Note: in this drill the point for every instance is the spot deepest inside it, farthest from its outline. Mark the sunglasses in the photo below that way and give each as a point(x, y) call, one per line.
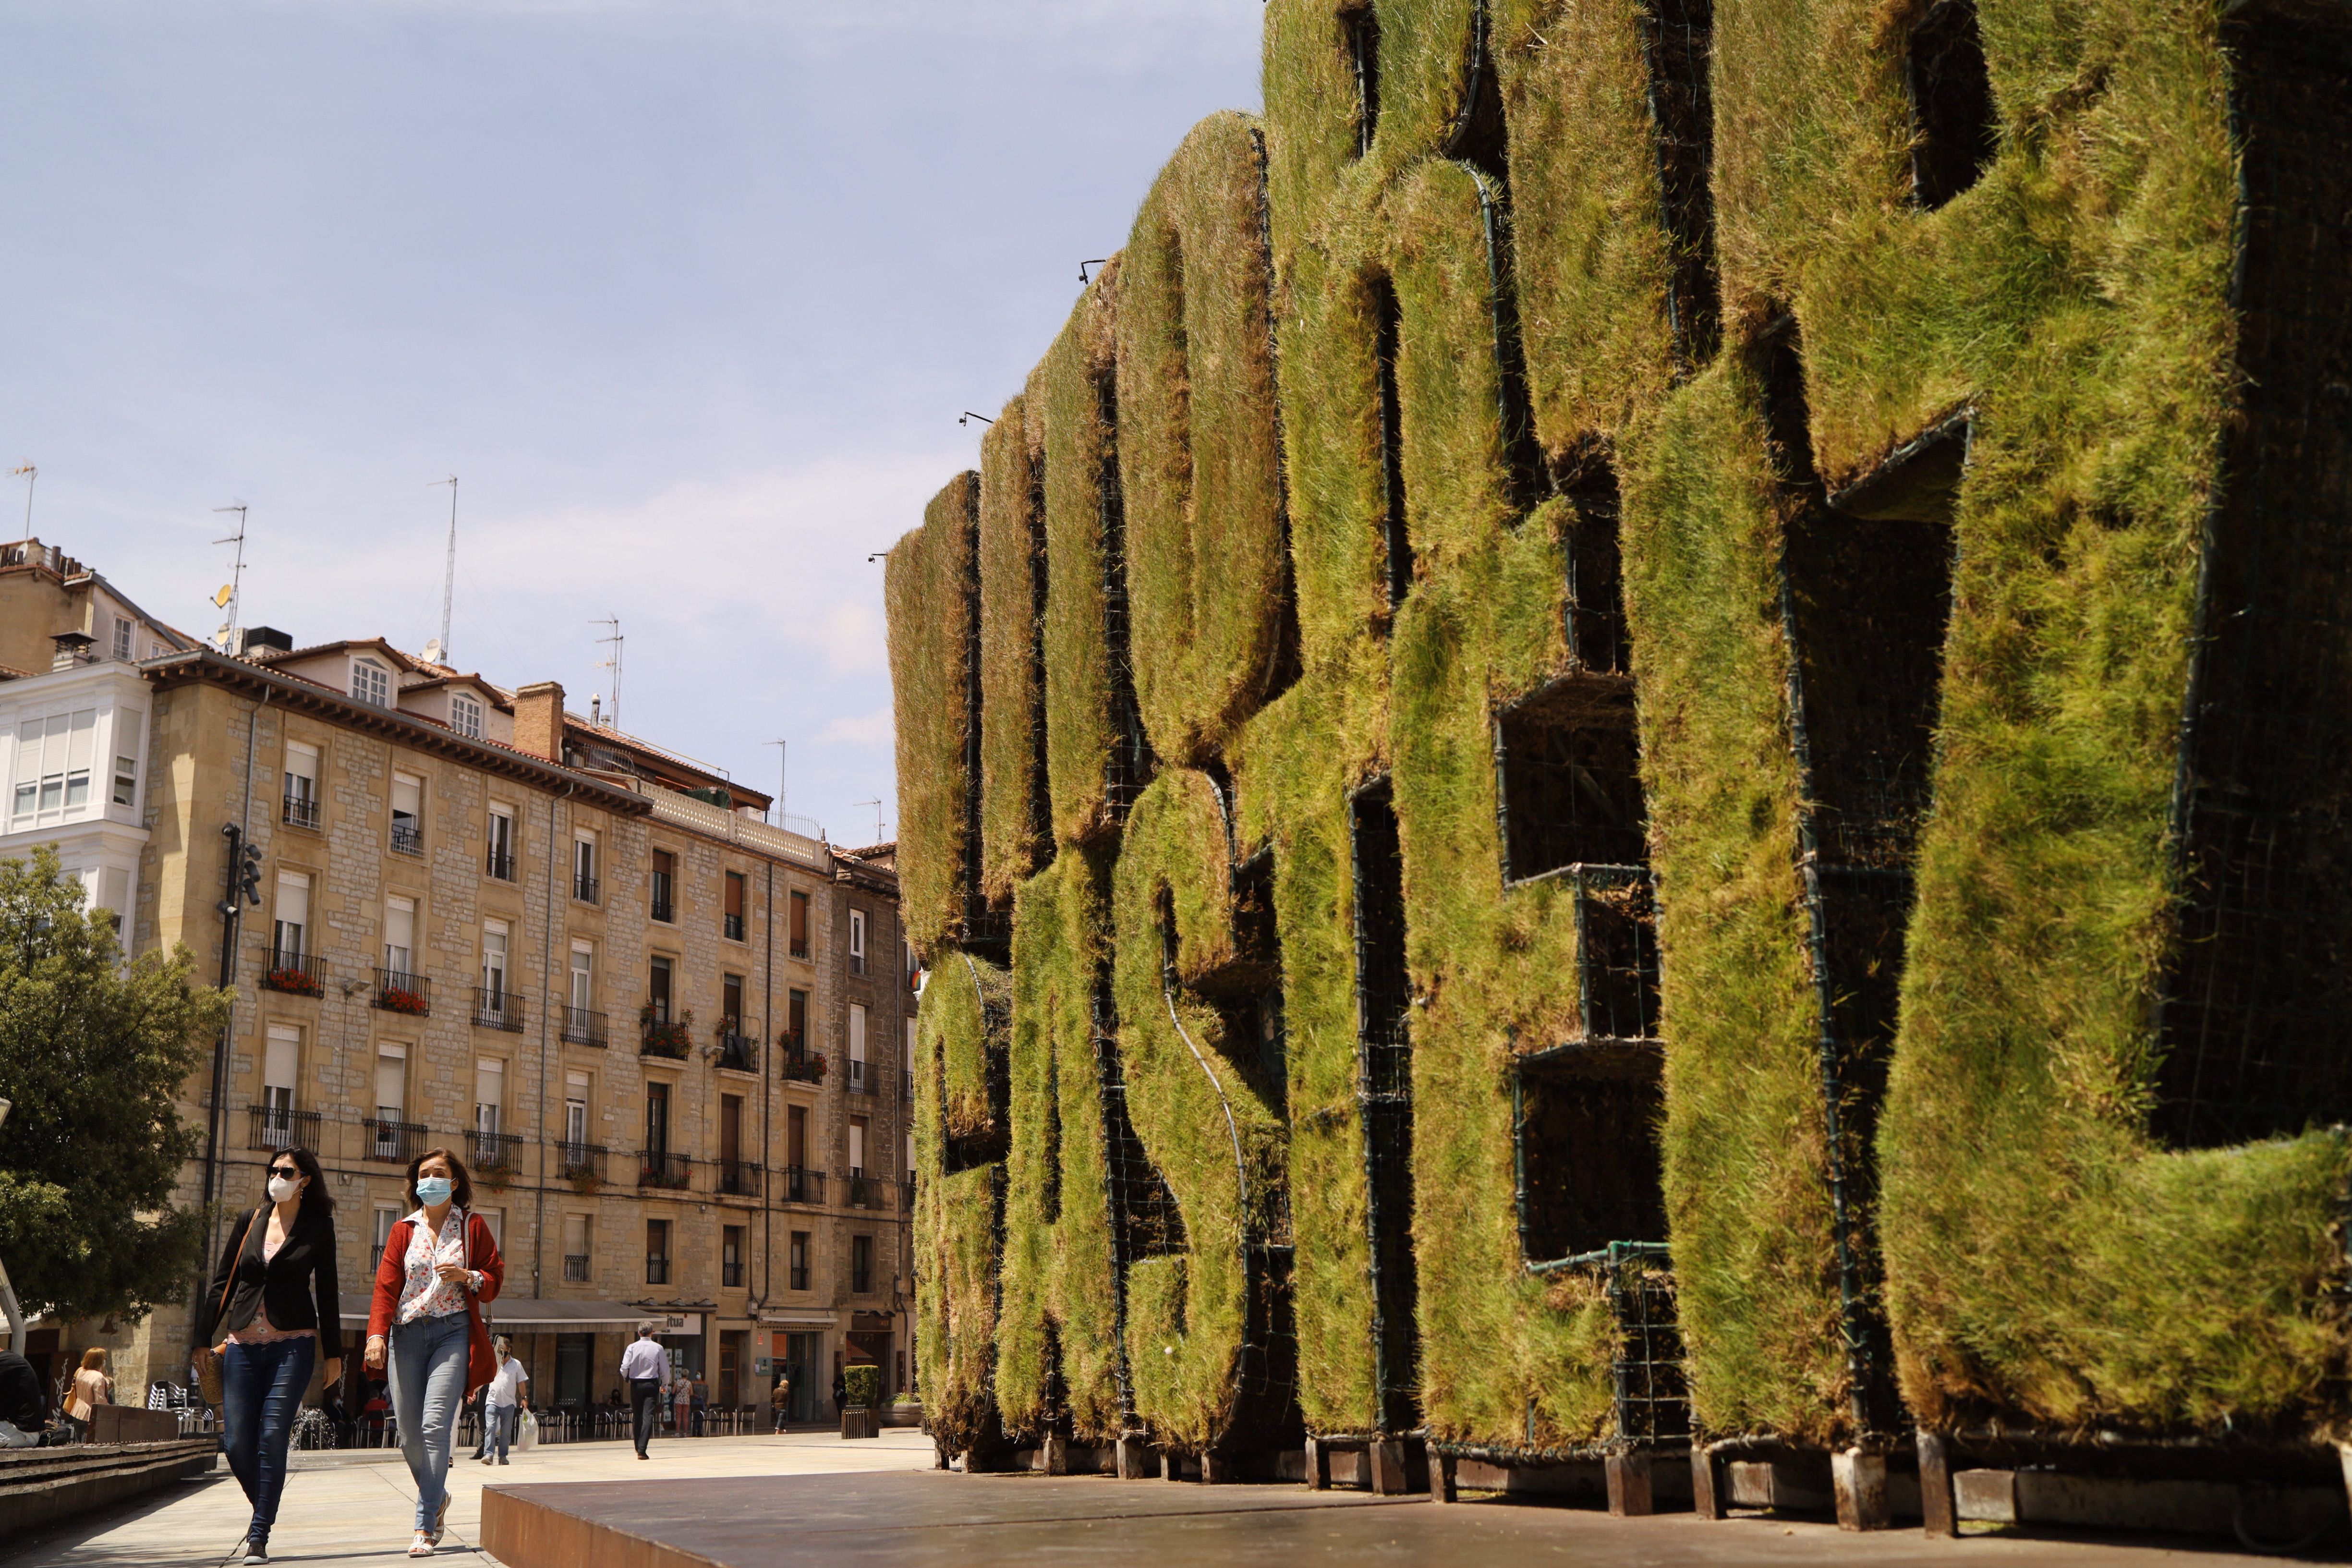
point(291, 1173)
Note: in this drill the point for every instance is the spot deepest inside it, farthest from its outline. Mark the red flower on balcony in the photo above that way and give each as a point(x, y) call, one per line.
point(396, 999)
point(295, 982)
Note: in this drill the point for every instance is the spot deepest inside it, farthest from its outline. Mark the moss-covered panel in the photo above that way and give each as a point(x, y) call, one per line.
point(1199, 444)
point(958, 1200)
point(1057, 1350)
point(929, 584)
point(1015, 833)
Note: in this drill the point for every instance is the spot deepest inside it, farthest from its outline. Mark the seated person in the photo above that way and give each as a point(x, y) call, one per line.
point(24, 1412)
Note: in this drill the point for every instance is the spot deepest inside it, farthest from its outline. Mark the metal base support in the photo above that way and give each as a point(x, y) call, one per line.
point(1710, 1484)
point(1136, 1460)
point(1442, 1488)
point(1630, 1495)
point(1858, 1476)
point(1940, 1508)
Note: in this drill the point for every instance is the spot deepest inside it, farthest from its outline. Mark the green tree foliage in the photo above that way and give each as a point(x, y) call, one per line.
point(91, 1050)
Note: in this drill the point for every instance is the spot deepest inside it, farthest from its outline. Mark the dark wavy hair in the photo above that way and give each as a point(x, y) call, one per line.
point(461, 1184)
point(316, 1201)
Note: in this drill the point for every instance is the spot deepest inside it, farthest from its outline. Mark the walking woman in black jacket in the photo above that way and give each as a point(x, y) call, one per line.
point(272, 1316)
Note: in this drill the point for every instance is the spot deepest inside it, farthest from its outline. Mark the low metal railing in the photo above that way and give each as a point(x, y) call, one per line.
point(497, 1009)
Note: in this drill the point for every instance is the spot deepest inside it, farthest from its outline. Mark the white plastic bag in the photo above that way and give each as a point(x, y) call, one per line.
point(527, 1432)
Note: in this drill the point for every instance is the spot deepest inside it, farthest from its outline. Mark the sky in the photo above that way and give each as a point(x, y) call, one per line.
point(688, 295)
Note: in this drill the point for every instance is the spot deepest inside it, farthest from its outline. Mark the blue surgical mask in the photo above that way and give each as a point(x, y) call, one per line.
point(432, 1190)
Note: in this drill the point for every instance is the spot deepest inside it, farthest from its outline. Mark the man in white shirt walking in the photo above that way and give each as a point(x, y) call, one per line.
point(645, 1367)
point(500, 1404)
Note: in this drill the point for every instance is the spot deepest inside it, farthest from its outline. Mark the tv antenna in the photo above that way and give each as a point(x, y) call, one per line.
point(783, 754)
point(231, 597)
point(30, 473)
point(877, 818)
point(449, 569)
point(614, 663)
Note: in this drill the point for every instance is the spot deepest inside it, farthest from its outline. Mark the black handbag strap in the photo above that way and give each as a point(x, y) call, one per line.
point(235, 1263)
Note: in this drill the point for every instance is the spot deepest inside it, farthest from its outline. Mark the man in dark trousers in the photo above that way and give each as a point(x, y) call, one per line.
point(24, 1412)
point(645, 1367)
point(840, 1392)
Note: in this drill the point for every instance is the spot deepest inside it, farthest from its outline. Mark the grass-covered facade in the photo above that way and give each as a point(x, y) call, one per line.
point(1675, 642)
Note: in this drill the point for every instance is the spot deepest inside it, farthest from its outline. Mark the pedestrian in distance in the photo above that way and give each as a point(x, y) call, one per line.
point(781, 1399)
point(270, 1316)
point(479, 1408)
point(89, 1389)
point(701, 1399)
point(439, 1266)
point(840, 1392)
point(24, 1408)
point(645, 1367)
point(503, 1402)
point(682, 1407)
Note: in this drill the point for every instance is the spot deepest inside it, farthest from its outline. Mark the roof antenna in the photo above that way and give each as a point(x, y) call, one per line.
point(230, 596)
point(877, 818)
point(448, 570)
point(614, 663)
point(30, 473)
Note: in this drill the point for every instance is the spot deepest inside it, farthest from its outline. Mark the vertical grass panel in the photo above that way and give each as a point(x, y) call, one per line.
point(931, 581)
point(1057, 1353)
point(960, 1199)
point(1200, 448)
point(1207, 1375)
point(1016, 830)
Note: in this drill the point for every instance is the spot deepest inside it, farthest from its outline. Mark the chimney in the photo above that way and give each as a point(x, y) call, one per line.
point(539, 721)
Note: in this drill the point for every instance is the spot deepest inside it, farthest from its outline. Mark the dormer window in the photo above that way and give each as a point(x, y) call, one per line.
point(465, 715)
point(370, 683)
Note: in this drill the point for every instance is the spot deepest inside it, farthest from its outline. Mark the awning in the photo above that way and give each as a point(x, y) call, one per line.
point(784, 1319)
point(512, 1313)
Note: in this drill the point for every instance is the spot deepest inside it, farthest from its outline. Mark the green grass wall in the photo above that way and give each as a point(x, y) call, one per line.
point(930, 583)
point(960, 1043)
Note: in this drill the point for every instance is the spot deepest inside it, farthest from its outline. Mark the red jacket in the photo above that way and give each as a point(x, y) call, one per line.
point(481, 1255)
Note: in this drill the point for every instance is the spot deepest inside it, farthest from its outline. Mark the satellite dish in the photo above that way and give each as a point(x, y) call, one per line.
point(433, 651)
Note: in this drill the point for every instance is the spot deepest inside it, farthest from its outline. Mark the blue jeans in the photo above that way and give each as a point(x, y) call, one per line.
point(499, 1423)
point(428, 1385)
point(261, 1388)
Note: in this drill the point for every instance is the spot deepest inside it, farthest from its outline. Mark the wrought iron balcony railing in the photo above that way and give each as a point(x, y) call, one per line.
point(659, 1168)
point(575, 1268)
point(500, 863)
point(275, 1126)
point(660, 1037)
point(497, 1009)
point(739, 1178)
point(738, 1052)
point(397, 991)
point(798, 1184)
point(584, 1028)
point(799, 1065)
point(408, 838)
point(296, 974)
point(584, 888)
point(300, 811)
point(582, 1163)
point(498, 1153)
point(396, 1143)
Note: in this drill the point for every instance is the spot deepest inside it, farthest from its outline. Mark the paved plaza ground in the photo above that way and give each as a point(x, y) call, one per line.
point(808, 1496)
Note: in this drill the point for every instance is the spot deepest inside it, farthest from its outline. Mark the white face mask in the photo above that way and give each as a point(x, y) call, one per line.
point(280, 1189)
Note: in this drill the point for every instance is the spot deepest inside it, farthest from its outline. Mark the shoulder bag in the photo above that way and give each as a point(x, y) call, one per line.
point(208, 1364)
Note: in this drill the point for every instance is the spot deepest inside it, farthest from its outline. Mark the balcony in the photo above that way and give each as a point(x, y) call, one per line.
point(739, 1178)
point(275, 1126)
point(584, 888)
point(858, 1082)
point(582, 1164)
point(797, 1184)
point(801, 1277)
point(866, 1192)
point(397, 991)
point(493, 1155)
point(657, 1271)
point(664, 909)
point(500, 863)
point(799, 948)
point(659, 1168)
point(731, 1276)
point(299, 811)
point(408, 837)
point(396, 1143)
point(497, 1009)
point(738, 1052)
point(575, 1268)
point(857, 963)
point(673, 1038)
point(733, 927)
point(583, 1027)
point(296, 974)
point(798, 1065)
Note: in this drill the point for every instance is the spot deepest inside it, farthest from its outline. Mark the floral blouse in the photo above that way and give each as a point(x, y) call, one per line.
point(424, 1293)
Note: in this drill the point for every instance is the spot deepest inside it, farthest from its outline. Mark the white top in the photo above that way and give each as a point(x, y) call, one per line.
point(507, 1387)
point(644, 1358)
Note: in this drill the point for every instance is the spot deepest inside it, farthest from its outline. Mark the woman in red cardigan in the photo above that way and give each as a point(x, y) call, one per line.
point(439, 1265)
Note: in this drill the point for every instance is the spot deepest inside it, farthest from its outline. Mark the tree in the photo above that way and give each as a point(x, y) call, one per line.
point(92, 1051)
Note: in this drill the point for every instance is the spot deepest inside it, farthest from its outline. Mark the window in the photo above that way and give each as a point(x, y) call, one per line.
point(656, 1119)
point(370, 683)
point(386, 1217)
point(861, 1265)
point(856, 1050)
point(575, 1108)
point(799, 925)
point(122, 630)
point(465, 715)
point(857, 941)
point(407, 815)
point(126, 781)
point(730, 1002)
point(53, 759)
point(502, 835)
point(656, 1252)
point(293, 920)
point(391, 1078)
point(575, 1248)
point(799, 1261)
point(399, 936)
point(496, 1220)
point(583, 977)
point(283, 1047)
point(734, 924)
point(856, 1147)
point(658, 990)
point(730, 1257)
point(583, 868)
point(302, 785)
point(731, 1129)
point(489, 1101)
point(796, 1137)
point(494, 965)
point(664, 883)
point(796, 1021)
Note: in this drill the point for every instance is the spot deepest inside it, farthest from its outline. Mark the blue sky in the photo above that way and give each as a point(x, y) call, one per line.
point(687, 294)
